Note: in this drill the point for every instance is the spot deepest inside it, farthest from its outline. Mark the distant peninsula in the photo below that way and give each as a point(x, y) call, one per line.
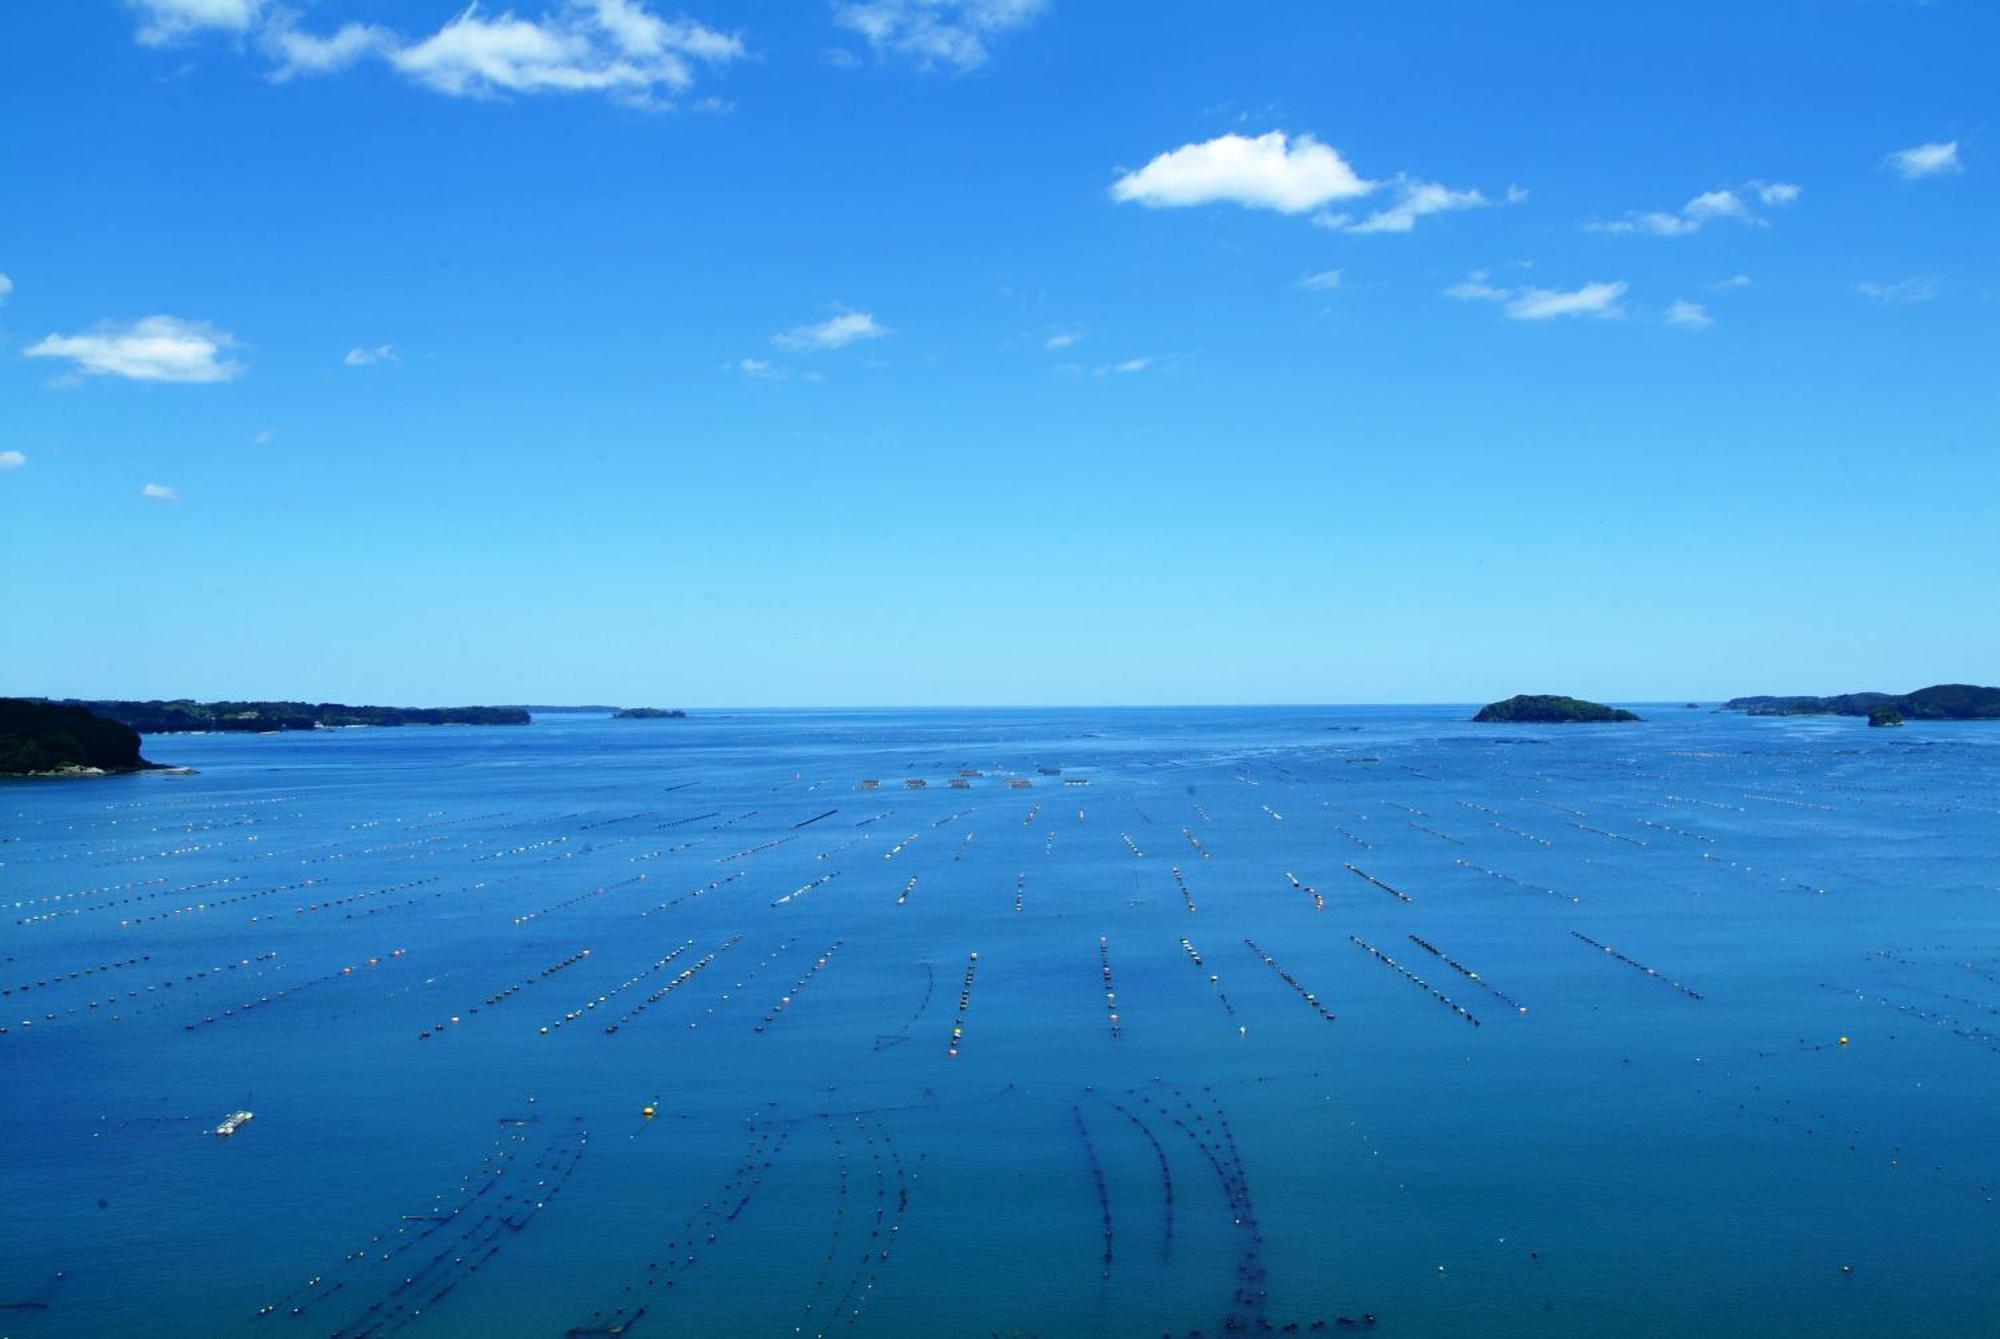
point(1550, 709)
point(1939, 702)
point(182, 716)
point(648, 714)
point(57, 739)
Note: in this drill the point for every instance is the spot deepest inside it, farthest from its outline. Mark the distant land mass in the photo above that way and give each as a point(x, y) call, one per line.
point(57, 739)
point(648, 714)
point(1548, 708)
point(1882, 716)
point(182, 716)
point(1939, 702)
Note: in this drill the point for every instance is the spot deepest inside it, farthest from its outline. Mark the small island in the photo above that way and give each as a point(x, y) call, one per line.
point(53, 739)
point(1549, 709)
point(184, 716)
point(1882, 716)
point(1939, 702)
point(648, 714)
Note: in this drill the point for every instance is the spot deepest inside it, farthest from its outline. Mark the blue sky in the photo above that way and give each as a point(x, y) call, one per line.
point(996, 351)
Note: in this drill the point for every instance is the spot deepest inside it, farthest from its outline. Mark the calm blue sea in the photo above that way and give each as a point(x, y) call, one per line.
point(448, 970)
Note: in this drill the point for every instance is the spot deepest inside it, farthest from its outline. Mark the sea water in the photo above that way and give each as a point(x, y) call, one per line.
point(1736, 985)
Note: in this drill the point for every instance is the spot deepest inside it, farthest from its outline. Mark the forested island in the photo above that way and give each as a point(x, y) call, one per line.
point(58, 739)
point(1550, 709)
point(648, 714)
point(183, 716)
point(1939, 702)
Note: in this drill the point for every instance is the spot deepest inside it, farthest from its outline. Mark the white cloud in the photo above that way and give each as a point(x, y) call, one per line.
point(1476, 288)
point(1417, 198)
point(359, 356)
point(1733, 281)
point(1721, 203)
point(6, 287)
point(159, 493)
point(264, 436)
point(936, 33)
point(1689, 315)
point(1900, 293)
point(757, 367)
point(1541, 304)
point(620, 48)
point(1061, 341)
point(1323, 282)
point(1926, 160)
point(1273, 171)
point(832, 333)
point(300, 53)
point(153, 348)
point(164, 21)
point(1593, 299)
point(12, 460)
point(1124, 369)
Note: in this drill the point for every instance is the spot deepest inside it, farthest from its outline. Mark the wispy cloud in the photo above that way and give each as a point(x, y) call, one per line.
point(264, 437)
point(1415, 199)
point(1599, 298)
point(1926, 160)
point(1291, 174)
point(153, 348)
point(1123, 369)
point(1689, 315)
point(619, 48)
point(12, 460)
point(1062, 340)
point(1722, 203)
point(1733, 281)
point(164, 21)
point(6, 287)
point(159, 493)
point(937, 34)
point(360, 356)
point(833, 333)
point(1901, 292)
point(1325, 281)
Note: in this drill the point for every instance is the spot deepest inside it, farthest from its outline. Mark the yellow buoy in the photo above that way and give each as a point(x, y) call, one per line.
point(1843, 1041)
point(647, 1112)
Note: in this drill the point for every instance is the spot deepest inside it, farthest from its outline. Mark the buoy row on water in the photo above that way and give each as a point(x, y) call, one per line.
point(194, 907)
point(673, 902)
point(1319, 900)
point(785, 1001)
point(1020, 892)
point(1524, 836)
point(1194, 956)
point(964, 1003)
point(1033, 810)
point(903, 898)
point(1290, 980)
point(805, 888)
point(1518, 883)
point(900, 846)
point(1195, 842)
point(1096, 1175)
point(1110, 987)
point(1470, 975)
point(686, 975)
point(1415, 980)
point(585, 896)
point(506, 993)
point(959, 854)
point(625, 985)
point(1125, 837)
point(1606, 832)
point(74, 974)
point(1688, 991)
point(265, 1001)
point(1441, 836)
point(1361, 842)
point(1390, 889)
point(1187, 893)
point(758, 849)
point(308, 908)
point(524, 849)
